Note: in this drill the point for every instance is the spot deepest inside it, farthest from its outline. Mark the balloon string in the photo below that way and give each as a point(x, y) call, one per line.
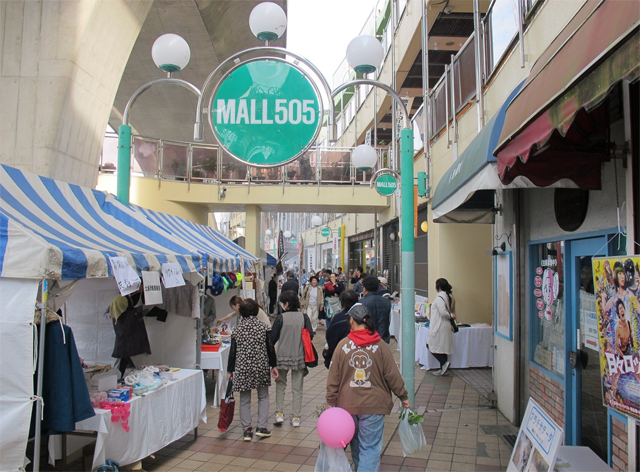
point(343, 444)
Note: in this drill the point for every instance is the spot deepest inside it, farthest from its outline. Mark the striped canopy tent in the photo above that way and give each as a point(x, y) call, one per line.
point(59, 231)
point(220, 253)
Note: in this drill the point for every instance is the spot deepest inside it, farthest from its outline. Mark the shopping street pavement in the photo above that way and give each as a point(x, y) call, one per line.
point(460, 428)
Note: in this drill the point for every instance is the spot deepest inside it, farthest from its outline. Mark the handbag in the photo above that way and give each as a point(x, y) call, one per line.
point(227, 408)
point(454, 325)
point(310, 353)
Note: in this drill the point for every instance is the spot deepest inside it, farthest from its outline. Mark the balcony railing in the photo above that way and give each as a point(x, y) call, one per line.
point(198, 163)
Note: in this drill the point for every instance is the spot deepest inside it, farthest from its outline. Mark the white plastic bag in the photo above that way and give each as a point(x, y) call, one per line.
point(332, 459)
point(412, 436)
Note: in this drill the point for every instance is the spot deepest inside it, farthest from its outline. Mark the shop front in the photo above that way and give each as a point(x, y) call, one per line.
point(362, 252)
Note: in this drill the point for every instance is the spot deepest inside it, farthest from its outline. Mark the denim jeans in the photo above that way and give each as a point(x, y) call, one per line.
point(366, 445)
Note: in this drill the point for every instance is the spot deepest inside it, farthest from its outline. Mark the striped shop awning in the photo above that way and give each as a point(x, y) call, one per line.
point(221, 253)
point(55, 230)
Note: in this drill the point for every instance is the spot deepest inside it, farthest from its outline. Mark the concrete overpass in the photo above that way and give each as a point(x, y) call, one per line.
point(195, 201)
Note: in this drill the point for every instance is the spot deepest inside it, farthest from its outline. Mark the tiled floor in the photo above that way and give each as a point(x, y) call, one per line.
point(454, 413)
point(480, 379)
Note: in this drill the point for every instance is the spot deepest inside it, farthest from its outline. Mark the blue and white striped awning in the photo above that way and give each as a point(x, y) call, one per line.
point(221, 253)
point(55, 230)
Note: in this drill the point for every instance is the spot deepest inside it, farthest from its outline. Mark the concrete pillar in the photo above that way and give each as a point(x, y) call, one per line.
point(252, 234)
point(60, 67)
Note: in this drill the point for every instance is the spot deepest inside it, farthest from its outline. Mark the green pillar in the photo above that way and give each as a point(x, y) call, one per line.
point(124, 163)
point(407, 291)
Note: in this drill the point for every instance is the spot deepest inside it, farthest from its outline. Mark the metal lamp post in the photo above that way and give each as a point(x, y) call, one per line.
point(171, 54)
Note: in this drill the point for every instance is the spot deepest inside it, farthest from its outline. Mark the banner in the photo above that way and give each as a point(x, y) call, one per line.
point(617, 284)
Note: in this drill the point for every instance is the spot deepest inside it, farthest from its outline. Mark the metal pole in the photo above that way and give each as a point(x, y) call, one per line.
point(124, 135)
point(454, 123)
point(39, 402)
point(479, 95)
point(520, 33)
point(408, 346)
point(425, 91)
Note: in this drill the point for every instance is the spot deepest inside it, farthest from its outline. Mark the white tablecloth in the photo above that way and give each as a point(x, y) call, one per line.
point(217, 361)
point(395, 325)
point(472, 347)
point(157, 419)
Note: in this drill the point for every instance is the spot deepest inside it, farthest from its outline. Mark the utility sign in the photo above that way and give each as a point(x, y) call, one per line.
point(266, 112)
point(386, 185)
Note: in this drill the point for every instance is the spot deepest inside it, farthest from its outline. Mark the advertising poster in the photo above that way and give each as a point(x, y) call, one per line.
point(538, 442)
point(617, 282)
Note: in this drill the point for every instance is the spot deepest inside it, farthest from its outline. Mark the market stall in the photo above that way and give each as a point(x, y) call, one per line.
point(472, 347)
point(53, 234)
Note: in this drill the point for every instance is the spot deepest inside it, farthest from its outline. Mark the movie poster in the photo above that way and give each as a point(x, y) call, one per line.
point(617, 282)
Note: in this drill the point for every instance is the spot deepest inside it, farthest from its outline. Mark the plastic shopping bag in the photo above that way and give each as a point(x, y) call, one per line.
point(411, 435)
point(332, 459)
point(227, 408)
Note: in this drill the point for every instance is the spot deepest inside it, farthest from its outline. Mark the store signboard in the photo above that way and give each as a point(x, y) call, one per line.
point(152, 289)
point(172, 275)
point(310, 260)
point(538, 441)
point(386, 185)
point(617, 286)
point(266, 112)
point(325, 232)
point(126, 278)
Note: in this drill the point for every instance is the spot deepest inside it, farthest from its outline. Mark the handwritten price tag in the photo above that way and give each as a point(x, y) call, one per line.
point(126, 278)
point(172, 275)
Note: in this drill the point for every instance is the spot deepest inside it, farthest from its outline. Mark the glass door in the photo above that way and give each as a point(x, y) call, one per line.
point(587, 425)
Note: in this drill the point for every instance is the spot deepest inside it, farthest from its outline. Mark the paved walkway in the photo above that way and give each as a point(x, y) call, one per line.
point(462, 432)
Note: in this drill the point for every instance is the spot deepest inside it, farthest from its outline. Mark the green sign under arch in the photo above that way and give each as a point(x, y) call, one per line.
point(266, 112)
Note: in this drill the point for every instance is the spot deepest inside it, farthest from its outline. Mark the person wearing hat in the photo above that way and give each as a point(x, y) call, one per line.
point(382, 286)
point(361, 379)
point(290, 284)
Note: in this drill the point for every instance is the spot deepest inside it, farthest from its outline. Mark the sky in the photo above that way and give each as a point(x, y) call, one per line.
point(320, 30)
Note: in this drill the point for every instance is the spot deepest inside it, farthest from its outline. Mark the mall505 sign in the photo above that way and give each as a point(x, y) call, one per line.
point(266, 113)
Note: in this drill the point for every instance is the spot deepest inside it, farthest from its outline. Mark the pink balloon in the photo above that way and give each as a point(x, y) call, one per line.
point(336, 427)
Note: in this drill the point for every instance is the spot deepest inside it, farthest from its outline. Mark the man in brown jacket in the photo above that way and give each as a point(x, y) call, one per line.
point(362, 376)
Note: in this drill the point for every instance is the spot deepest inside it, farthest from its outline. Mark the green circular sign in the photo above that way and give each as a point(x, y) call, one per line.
point(386, 185)
point(266, 113)
point(293, 241)
point(326, 232)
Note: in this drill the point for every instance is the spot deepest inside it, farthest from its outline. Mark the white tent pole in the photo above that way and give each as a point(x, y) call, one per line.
point(39, 401)
point(203, 290)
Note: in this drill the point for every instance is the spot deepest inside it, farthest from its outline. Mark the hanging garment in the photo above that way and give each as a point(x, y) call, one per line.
point(131, 332)
point(64, 389)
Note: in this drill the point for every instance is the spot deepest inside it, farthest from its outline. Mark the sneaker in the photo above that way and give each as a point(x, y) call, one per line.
point(437, 372)
point(248, 435)
point(295, 422)
point(279, 419)
point(445, 367)
point(262, 433)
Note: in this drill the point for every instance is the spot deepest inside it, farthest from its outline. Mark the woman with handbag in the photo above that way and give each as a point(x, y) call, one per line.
point(287, 333)
point(252, 359)
point(312, 302)
point(440, 339)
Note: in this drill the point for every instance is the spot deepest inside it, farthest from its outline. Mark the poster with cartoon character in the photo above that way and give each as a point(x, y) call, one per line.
point(617, 283)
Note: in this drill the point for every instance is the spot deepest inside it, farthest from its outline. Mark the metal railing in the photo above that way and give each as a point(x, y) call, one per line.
point(201, 163)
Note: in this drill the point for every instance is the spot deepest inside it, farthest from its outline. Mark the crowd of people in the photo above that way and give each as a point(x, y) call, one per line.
point(362, 372)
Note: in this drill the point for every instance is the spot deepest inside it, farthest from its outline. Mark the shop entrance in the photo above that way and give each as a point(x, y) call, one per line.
point(586, 419)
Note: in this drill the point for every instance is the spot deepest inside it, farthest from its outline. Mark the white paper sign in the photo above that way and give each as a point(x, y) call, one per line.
point(538, 441)
point(310, 255)
point(126, 278)
point(172, 275)
point(336, 244)
point(152, 289)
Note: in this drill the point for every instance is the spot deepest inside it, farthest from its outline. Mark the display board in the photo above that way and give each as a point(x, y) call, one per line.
point(617, 284)
point(538, 442)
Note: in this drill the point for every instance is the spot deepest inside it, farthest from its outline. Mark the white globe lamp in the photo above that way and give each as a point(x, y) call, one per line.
point(268, 21)
point(287, 234)
point(171, 53)
point(267, 232)
point(316, 221)
point(365, 54)
point(364, 157)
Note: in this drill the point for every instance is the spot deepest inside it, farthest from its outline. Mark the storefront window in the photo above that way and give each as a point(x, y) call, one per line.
point(547, 290)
